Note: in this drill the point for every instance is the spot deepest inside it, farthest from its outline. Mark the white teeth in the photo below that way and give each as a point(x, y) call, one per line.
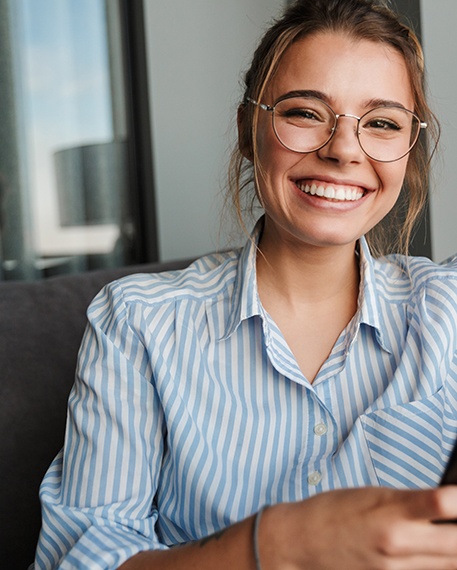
point(340, 194)
point(329, 192)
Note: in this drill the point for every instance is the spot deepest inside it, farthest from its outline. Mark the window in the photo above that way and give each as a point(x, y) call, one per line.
point(68, 194)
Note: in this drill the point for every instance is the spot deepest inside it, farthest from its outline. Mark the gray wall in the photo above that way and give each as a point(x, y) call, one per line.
point(196, 51)
point(439, 38)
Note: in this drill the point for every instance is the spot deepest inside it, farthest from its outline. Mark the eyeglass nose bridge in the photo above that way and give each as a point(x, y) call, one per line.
point(337, 117)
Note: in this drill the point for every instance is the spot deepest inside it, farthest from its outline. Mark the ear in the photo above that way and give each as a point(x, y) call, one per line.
point(244, 133)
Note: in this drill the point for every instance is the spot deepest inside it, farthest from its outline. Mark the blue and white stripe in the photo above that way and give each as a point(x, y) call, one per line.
point(189, 411)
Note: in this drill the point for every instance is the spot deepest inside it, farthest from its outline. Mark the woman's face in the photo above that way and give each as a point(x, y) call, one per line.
point(352, 77)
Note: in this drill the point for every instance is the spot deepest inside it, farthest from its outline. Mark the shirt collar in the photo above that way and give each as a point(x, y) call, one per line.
point(245, 299)
point(246, 303)
point(369, 303)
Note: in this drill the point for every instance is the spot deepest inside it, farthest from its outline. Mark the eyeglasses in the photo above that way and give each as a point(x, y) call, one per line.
point(306, 124)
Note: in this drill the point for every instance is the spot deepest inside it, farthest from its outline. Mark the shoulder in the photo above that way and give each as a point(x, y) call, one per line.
point(400, 276)
point(207, 277)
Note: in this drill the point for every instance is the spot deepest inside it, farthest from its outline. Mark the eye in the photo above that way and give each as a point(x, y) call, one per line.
point(300, 116)
point(307, 114)
point(382, 124)
point(302, 112)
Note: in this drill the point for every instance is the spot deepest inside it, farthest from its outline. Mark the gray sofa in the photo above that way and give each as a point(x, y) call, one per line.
point(41, 325)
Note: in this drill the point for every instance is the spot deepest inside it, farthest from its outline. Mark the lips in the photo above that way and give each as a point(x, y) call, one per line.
point(331, 191)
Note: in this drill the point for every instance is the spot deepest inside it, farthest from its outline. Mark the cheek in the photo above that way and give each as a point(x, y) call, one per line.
point(266, 140)
point(273, 159)
point(392, 175)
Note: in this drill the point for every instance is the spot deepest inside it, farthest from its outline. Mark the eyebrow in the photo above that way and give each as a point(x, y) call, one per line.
point(370, 104)
point(385, 103)
point(305, 93)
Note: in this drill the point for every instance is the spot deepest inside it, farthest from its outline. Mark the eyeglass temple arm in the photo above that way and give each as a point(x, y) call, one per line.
point(261, 105)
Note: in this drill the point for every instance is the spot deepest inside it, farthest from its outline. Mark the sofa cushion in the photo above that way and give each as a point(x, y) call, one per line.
point(41, 326)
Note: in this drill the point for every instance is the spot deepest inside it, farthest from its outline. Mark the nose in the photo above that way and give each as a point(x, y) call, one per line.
point(343, 146)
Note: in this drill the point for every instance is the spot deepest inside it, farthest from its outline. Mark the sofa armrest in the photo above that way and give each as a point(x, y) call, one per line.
point(41, 326)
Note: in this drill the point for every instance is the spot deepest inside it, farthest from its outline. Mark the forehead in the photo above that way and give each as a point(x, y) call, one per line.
point(348, 71)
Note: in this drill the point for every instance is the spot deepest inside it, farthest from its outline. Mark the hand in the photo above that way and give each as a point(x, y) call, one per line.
point(362, 529)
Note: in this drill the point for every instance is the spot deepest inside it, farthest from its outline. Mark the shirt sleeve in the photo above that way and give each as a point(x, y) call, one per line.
point(98, 495)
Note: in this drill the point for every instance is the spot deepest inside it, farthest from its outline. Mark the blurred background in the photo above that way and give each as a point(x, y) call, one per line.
point(117, 117)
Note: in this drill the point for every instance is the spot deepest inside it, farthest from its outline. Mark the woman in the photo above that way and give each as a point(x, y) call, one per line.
point(299, 372)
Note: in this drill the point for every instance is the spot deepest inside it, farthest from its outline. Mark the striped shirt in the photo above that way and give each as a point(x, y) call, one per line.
point(189, 411)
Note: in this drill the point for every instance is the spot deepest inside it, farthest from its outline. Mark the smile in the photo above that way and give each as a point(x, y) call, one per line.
point(331, 192)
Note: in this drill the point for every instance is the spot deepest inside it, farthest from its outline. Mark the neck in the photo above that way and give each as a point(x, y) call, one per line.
point(306, 275)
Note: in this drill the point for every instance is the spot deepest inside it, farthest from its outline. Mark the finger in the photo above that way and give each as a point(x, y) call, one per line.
point(446, 502)
point(422, 538)
point(425, 563)
point(435, 540)
point(430, 504)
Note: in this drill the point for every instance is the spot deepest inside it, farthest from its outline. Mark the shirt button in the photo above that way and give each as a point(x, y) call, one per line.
point(320, 429)
point(314, 478)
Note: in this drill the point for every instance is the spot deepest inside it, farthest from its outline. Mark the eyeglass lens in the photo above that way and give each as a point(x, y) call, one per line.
point(305, 124)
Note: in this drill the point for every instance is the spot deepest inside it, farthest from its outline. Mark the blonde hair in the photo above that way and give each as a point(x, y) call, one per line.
point(359, 19)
